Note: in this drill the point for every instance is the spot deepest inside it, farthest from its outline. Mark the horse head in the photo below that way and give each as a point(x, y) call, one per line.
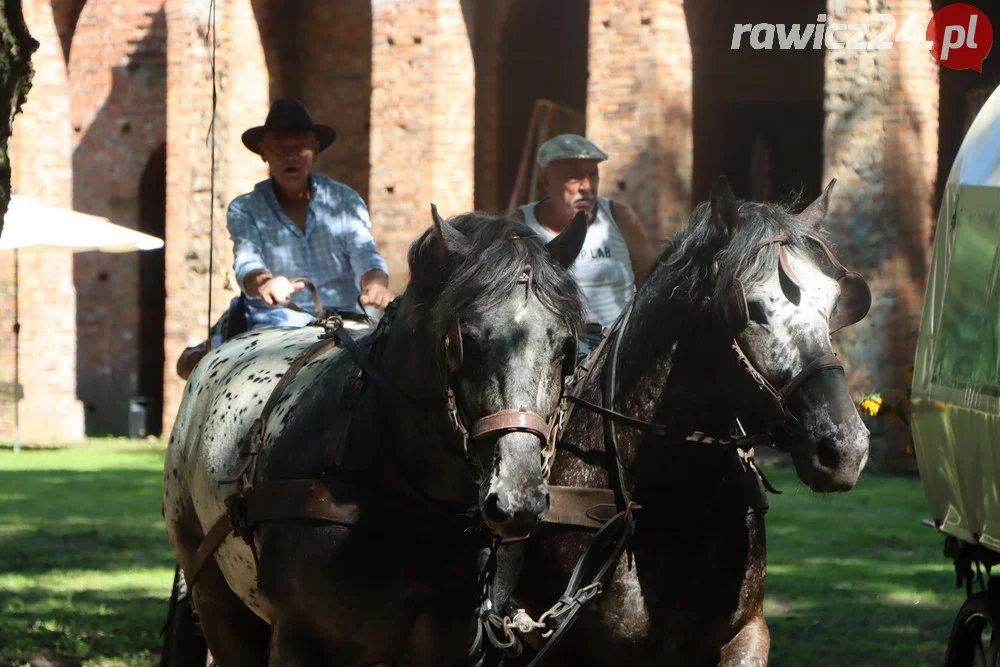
point(783, 293)
point(507, 312)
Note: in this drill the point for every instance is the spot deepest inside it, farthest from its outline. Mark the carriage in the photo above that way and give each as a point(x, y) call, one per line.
point(955, 399)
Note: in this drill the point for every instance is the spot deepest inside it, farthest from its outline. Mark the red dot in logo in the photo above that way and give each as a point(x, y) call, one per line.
point(961, 35)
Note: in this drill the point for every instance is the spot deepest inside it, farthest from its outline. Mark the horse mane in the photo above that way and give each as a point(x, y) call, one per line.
point(684, 267)
point(500, 249)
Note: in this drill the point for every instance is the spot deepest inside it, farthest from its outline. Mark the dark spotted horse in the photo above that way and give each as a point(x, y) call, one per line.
point(334, 500)
point(731, 330)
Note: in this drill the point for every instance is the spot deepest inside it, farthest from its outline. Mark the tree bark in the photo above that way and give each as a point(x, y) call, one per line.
point(15, 82)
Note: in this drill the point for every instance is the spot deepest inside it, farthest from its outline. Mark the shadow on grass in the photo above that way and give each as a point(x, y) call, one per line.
point(854, 578)
point(93, 520)
point(85, 566)
point(118, 627)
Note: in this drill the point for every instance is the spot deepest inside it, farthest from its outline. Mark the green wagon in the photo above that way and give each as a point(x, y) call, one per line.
point(956, 386)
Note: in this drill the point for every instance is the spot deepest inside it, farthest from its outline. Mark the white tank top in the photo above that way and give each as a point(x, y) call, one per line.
point(603, 270)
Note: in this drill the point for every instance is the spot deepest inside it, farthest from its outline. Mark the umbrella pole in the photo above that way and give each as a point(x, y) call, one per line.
point(17, 377)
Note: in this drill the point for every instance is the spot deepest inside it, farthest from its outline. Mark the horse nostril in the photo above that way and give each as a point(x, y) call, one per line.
point(827, 454)
point(492, 511)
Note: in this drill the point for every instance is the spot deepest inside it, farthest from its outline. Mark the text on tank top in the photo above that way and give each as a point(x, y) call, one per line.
point(603, 270)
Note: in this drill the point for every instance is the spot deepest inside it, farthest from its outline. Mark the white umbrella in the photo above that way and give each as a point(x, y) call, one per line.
point(33, 226)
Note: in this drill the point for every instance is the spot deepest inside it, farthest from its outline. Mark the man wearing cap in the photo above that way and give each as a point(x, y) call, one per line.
point(298, 224)
point(301, 224)
point(617, 253)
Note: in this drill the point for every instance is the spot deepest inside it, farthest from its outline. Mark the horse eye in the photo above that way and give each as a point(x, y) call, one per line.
point(756, 312)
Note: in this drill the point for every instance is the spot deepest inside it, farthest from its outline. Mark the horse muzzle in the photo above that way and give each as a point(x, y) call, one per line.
point(516, 497)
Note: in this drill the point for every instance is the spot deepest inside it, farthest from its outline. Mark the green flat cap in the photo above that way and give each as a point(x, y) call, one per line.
point(568, 147)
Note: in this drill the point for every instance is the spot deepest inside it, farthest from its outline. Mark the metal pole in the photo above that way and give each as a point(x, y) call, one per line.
point(17, 376)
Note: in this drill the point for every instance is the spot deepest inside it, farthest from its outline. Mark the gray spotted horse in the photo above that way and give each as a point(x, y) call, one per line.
point(352, 499)
point(732, 326)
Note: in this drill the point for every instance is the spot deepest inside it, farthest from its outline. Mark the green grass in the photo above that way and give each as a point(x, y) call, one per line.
point(85, 568)
point(856, 579)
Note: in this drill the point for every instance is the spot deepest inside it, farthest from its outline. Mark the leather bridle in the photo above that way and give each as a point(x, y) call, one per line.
point(508, 420)
point(854, 293)
point(733, 312)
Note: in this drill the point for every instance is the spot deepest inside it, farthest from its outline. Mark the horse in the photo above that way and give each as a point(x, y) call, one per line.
point(731, 329)
point(441, 451)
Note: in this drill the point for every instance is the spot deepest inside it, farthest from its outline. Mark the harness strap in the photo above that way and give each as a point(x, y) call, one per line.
point(596, 567)
point(255, 435)
point(616, 472)
point(580, 507)
point(334, 452)
point(213, 539)
point(512, 419)
point(645, 426)
point(825, 363)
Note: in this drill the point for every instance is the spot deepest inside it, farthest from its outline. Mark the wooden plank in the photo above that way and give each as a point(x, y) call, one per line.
point(548, 119)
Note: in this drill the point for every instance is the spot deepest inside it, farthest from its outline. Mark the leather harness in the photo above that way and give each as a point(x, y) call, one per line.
point(609, 512)
point(252, 503)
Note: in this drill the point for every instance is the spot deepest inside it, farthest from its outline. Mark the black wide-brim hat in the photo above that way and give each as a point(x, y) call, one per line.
point(288, 115)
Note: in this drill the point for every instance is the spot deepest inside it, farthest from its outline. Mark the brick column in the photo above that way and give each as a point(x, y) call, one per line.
point(639, 103)
point(40, 151)
point(881, 144)
point(242, 77)
point(117, 83)
point(422, 122)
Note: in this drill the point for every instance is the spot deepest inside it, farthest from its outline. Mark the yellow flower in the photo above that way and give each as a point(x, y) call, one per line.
point(871, 404)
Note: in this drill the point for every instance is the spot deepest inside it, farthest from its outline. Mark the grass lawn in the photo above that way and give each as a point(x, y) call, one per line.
point(85, 568)
point(855, 579)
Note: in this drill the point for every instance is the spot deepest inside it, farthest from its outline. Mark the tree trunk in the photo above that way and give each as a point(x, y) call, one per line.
point(15, 81)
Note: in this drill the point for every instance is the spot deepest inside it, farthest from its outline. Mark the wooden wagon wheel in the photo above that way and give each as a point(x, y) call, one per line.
point(975, 635)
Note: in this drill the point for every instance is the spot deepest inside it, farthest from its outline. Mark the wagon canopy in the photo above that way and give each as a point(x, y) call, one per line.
point(956, 375)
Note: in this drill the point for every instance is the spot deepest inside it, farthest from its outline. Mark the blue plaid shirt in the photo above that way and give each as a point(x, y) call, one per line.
point(334, 251)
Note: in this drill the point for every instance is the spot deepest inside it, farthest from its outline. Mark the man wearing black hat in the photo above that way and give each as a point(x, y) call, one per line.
point(302, 224)
point(298, 224)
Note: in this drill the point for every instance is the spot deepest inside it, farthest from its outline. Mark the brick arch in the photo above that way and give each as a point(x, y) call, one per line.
point(117, 78)
point(66, 14)
point(539, 51)
point(765, 134)
point(321, 53)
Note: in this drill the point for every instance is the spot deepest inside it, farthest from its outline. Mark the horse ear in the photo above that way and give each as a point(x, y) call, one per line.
point(816, 212)
point(725, 216)
point(453, 240)
point(566, 247)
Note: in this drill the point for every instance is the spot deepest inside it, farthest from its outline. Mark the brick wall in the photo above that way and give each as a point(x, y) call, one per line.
point(881, 145)
point(40, 155)
point(117, 78)
point(242, 89)
point(639, 107)
point(66, 13)
point(422, 122)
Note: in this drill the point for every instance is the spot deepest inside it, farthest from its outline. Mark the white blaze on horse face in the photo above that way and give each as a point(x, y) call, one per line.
point(830, 446)
point(794, 333)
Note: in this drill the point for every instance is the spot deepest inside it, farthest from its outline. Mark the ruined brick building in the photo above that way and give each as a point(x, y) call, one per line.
point(431, 100)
